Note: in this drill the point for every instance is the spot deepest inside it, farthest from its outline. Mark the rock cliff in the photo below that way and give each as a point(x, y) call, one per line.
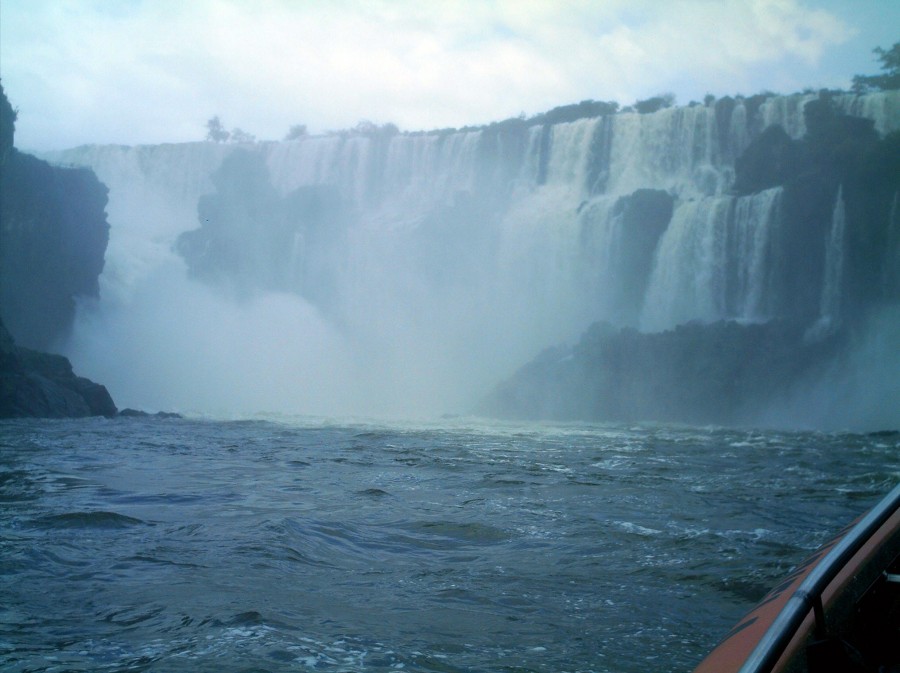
point(53, 236)
point(43, 385)
point(52, 241)
point(837, 253)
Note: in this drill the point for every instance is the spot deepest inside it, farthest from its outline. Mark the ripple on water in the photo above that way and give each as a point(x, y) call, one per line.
point(201, 546)
point(97, 519)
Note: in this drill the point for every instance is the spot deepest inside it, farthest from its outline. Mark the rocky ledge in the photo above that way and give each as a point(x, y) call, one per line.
point(43, 385)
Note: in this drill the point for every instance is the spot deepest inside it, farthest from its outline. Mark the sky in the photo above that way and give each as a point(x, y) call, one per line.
point(153, 71)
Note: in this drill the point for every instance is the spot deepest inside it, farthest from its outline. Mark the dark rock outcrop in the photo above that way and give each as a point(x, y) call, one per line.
point(228, 251)
point(35, 384)
point(721, 373)
point(53, 236)
point(839, 154)
point(52, 244)
point(645, 214)
point(769, 161)
point(727, 372)
point(137, 413)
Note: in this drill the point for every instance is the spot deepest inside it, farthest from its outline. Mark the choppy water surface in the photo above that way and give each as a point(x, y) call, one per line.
point(191, 545)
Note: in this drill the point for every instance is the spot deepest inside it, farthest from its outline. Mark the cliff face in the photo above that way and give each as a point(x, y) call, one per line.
point(457, 255)
point(303, 230)
point(52, 242)
point(39, 384)
point(53, 236)
point(840, 187)
point(722, 373)
point(835, 254)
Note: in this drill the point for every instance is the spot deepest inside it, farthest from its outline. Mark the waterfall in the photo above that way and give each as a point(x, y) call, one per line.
point(714, 262)
point(834, 261)
point(457, 253)
point(752, 257)
point(882, 107)
point(832, 279)
point(786, 112)
point(676, 149)
point(153, 193)
point(688, 280)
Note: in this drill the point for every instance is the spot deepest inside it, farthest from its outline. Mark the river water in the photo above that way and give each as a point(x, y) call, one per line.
point(315, 545)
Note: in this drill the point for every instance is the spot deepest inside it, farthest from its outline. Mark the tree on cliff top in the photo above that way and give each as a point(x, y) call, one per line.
point(296, 132)
point(215, 131)
point(890, 63)
point(659, 102)
point(241, 136)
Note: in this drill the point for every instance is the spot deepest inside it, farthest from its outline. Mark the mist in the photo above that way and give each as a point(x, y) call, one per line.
point(393, 274)
point(860, 390)
point(395, 309)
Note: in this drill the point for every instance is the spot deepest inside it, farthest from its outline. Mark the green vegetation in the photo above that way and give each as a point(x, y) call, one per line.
point(296, 132)
point(862, 84)
point(241, 136)
point(654, 104)
point(215, 131)
point(368, 128)
point(890, 79)
point(586, 109)
point(575, 111)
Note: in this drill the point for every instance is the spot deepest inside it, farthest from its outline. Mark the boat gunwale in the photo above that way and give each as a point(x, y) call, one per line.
point(809, 593)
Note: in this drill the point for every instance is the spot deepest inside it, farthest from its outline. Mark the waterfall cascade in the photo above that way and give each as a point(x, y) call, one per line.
point(454, 254)
point(834, 262)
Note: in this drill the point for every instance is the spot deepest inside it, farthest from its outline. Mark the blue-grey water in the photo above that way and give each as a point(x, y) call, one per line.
point(197, 545)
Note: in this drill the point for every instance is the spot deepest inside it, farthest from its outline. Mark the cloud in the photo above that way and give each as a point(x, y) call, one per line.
point(735, 46)
point(124, 71)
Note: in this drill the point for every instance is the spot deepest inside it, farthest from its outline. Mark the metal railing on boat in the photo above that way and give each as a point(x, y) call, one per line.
point(808, 595)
